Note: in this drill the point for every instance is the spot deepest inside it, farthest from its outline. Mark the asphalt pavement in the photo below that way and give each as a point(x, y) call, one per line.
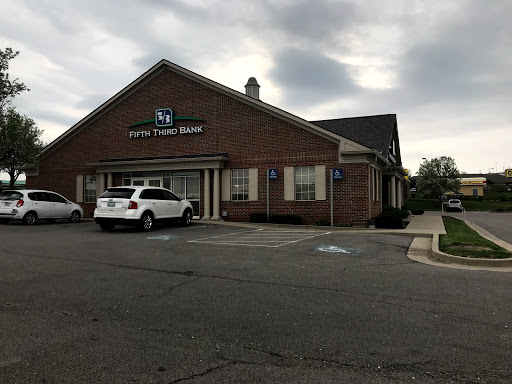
point(227, 304)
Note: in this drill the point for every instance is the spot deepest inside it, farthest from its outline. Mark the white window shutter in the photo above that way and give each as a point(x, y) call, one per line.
point(320, 186)
point(226, 185)
point(80, 188)
point(253, 184)
point(289, 184)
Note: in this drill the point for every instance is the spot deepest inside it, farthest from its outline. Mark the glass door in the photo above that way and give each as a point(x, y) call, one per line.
point(186, 186)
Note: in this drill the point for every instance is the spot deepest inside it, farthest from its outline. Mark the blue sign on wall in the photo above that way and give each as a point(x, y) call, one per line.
point(337, 174)
point(164, 117)
point(272, 174)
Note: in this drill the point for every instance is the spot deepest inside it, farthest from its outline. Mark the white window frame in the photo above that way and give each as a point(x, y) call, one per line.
point(239, 182)
point(305, 183)
point(90, 195)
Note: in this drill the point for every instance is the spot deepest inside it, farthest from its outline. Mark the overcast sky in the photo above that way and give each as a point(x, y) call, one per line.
point(444, 67)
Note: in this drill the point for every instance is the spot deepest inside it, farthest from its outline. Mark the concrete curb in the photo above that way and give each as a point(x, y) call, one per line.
point(495, 263)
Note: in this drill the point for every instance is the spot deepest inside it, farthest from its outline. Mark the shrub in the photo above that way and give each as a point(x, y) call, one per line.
point(323, 222)
point(286, 219)
point(389, 219)
point(417, 211)
point(258, 217)
point(261, 217)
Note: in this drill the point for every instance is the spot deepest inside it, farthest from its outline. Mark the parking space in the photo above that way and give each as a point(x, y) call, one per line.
point(261, 238)
point(209, 303)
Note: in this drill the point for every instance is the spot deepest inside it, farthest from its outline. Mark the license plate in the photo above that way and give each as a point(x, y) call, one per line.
point(6, 204)
point(111, 204)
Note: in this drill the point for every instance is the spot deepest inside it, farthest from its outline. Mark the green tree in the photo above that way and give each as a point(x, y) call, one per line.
point(19, 143)
point(438, 176)
point(8, 88)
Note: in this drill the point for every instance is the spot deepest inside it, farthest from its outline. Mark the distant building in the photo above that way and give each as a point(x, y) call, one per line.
point(474, 184)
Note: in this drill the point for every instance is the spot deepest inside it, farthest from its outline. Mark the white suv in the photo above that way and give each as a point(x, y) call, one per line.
point(30, 205)
point(140, 206)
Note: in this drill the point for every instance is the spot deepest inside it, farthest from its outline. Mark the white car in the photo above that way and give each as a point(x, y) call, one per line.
point(140, 206)
point(454, 205)
point(30, 205)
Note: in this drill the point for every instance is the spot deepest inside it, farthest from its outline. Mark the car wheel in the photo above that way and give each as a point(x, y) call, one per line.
point(50, 221)
point(146, 221)
point(107, 226)
point(186, 218)
point(29, 218)
point(4, 221)
point(74, 217)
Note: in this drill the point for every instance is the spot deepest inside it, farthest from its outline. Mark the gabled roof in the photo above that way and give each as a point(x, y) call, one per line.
point(167, 65)
point(374, 132)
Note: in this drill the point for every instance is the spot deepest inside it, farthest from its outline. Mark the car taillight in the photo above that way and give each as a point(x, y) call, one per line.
point(20, 203)
point(132, 205)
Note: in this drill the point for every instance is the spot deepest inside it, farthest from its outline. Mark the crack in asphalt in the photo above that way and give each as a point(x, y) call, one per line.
point(168, 291)
point(206, 372)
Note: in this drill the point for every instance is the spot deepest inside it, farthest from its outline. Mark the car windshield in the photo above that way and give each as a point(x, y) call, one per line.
point(123, 193)
point(454, 201)
point(11, 195)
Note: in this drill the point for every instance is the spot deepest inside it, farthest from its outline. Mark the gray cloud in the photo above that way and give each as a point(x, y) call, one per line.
point(449, 61)
point(308, 77)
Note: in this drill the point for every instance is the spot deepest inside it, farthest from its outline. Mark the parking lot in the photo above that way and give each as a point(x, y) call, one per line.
point(227, 304)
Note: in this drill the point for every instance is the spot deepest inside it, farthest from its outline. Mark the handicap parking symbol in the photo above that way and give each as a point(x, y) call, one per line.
point(336, 249)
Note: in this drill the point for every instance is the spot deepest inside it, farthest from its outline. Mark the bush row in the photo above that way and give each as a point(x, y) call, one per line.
point(261, 217)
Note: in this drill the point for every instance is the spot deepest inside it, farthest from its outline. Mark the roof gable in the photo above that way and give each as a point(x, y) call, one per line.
point(166, 65)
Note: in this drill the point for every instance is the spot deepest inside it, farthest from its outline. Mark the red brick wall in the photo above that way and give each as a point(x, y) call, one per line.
point(251, 137)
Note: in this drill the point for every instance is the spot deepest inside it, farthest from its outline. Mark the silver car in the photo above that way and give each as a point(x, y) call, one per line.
point(30, 205)
point(140, 206)
point(454, 205)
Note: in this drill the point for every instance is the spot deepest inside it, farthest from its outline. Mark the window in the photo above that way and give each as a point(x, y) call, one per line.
point(55, 198)
point(170, 196)
point(305, 183)
point(89, 188)
point(240, 184)
point(152, 194)
point(120, 193)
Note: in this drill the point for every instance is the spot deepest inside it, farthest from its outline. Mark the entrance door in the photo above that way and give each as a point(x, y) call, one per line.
point(187, 187)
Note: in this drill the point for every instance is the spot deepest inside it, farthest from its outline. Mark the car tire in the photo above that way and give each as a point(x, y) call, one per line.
point(29, 218)
point(186, 218)
point(107, 226)
point(74, 217)
point(146, 222)
point(50, 221)
point(4, 221)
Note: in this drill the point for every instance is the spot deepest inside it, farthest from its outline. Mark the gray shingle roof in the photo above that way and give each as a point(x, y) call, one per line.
point(374, 132)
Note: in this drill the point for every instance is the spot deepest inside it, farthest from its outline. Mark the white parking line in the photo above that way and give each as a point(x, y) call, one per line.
point(260, 238)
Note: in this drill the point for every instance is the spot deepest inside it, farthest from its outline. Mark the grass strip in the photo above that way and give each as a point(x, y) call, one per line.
point(461, 240)
point(469, 205)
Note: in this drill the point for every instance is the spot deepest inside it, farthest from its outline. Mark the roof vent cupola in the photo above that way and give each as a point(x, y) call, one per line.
point(252, 88)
